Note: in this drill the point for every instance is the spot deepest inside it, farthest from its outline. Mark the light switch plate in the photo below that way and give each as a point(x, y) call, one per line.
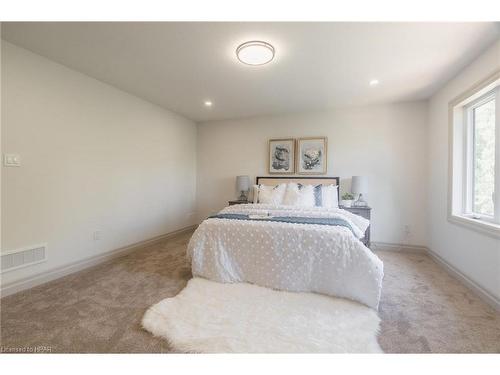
point(11, 160)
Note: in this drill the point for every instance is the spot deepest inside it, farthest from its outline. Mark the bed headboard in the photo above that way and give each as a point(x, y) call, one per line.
point(271, 180)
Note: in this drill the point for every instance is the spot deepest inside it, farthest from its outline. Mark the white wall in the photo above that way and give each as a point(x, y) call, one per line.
point(474, 254)
point(385, 143)
point(93, 158)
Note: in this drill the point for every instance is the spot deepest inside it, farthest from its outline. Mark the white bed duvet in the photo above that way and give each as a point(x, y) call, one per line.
point(289, 256)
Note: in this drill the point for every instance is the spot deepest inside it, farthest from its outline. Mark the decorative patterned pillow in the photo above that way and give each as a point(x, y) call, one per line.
point(272, 194)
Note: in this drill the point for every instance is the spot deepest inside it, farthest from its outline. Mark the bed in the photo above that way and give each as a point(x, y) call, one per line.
point(285, 247)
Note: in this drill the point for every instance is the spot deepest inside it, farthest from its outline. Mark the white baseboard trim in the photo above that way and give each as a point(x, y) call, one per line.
point(482, 293)
point(59, 272)
point(386, 246)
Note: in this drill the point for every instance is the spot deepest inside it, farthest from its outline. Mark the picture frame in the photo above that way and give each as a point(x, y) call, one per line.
point(312, 155)
point(281, 156)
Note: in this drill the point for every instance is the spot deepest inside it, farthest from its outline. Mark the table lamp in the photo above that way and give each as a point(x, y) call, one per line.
point(243, 185)
point(358, 187)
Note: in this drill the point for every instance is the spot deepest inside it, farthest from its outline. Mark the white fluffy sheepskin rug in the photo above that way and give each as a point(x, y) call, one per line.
point(209, 317)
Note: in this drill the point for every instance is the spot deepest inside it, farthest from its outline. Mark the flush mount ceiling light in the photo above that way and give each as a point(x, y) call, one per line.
point(374, 82)
point(208, 103)
point(255, 53)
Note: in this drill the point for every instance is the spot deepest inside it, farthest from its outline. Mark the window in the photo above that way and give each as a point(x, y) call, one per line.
point(481, 120)
point(475, 158)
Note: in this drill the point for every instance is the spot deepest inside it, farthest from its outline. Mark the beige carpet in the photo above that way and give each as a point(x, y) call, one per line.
point(100, 309)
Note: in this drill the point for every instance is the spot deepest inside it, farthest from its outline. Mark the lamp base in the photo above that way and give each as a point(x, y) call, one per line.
point(242, 196)
point(360, 202)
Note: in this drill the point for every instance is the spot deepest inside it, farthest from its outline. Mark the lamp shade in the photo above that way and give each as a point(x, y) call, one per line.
point(243, 183)
point(358, 185)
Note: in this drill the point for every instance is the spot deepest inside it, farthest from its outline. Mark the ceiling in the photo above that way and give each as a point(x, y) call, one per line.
point(317, 65)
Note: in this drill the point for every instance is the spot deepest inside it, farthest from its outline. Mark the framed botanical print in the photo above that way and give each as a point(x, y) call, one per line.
point(312, 155)
point(281, 156)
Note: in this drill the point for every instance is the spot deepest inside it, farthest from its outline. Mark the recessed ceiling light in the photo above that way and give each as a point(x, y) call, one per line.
point(255, 53)
point(208, 103)
point(374, 82)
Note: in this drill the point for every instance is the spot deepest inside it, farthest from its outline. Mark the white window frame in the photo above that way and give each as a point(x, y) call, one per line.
point(468, 196)
point(460, 178)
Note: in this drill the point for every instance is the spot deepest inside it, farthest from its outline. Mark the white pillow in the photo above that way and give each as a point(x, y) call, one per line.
point(299, 196)
point(291, 194)
point(329, 196)
point(255, 191)
point(272, 194)
point(306, 196)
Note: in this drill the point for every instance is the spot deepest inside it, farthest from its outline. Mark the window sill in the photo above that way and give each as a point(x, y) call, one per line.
point(478, 225)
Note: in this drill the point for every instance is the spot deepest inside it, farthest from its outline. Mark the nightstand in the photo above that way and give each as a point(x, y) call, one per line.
point(231, 203)
point(366, 213)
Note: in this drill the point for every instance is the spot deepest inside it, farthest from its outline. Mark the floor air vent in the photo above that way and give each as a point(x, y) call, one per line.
point(15, 259)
